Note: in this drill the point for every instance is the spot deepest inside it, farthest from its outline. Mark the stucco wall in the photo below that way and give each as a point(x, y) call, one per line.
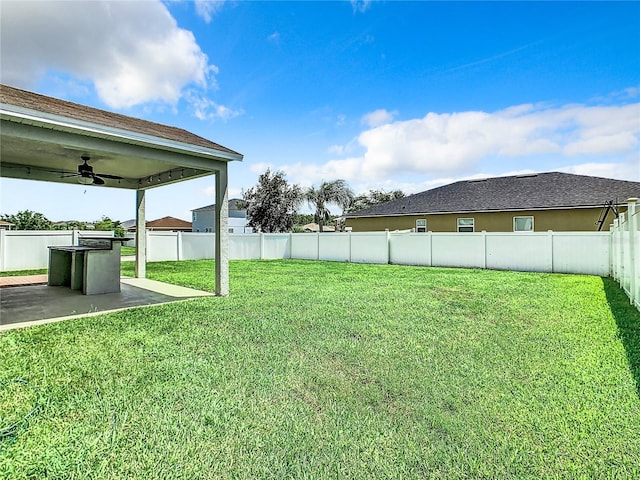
point(575, 220)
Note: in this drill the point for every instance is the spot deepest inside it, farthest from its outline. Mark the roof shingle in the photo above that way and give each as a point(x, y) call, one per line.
point(521, 192)
point(53, 106)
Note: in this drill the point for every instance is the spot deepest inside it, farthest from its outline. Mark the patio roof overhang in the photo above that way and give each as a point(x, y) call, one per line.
point(38, 144)
point(43, 138)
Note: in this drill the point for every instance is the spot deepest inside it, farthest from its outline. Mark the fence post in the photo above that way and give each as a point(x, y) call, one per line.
point(3, 248)
point(261, 246)
point(318, 245)
point(179, 254)
point(633, 231)
point(621, 266)
point(388, 245)
point(550, 234)
point(349, 233)
point(612, 247)
point(484, 247)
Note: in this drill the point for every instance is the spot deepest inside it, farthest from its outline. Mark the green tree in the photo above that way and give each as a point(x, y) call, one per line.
point(374, 197)
point(328, 193)
point(71, 225)
point(106, 224)
point(272, 204)
point(28, 220)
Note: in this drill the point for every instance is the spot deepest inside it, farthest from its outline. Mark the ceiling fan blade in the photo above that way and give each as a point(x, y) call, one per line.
point(97, 180)
point(113, 177)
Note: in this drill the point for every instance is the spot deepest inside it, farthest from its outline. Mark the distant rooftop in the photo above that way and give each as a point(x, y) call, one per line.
point(539, 191)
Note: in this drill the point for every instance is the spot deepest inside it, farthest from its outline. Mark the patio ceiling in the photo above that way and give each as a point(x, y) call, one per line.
point(44, 139)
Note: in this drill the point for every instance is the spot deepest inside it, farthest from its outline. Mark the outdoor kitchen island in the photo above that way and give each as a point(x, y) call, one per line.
point(93, 266)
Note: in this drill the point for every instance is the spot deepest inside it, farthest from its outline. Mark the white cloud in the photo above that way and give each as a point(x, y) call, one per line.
point(360, 6)
point(624, 170)
point(274, 38)
point(207, 109)
point(378, 117)
point(453, 144)
point(206, 9)
point(133, 52)
point(261, 167)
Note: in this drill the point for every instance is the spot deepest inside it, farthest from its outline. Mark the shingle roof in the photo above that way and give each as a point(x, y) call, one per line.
point(521, 192)
point(168, 222)
point(53, 106)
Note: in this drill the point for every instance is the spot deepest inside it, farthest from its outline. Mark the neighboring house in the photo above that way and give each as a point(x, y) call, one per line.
point(533, 202)
point(204, 218)
point(166, 224)
point(313, 227)
point(6, 225)
point(129, 224)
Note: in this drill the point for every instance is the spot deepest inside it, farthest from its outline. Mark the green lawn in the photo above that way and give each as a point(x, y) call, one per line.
point(126, 251)
point(333, 370)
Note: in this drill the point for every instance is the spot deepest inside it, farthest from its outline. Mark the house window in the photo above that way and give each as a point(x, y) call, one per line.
point(466, 225)
point(523, 224)
point(421, 225)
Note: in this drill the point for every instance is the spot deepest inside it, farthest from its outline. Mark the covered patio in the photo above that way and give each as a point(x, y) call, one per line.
point(52, 140)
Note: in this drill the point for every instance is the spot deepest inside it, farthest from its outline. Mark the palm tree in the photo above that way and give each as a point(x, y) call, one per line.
point(336, 193)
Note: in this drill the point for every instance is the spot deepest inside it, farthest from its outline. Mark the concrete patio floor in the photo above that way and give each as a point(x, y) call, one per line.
point(35, 304)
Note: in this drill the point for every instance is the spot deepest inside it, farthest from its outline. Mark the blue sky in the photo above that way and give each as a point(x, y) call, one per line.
point(386, 95)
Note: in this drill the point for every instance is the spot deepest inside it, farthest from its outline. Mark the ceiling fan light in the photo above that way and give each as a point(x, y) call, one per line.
point(85, 180)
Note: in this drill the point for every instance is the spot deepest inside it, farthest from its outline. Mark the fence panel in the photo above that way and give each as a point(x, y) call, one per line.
point(410, 249)
point(162, 246)
point(369, 247)
point(625, 251)
point(458, 250)
point(334, 247)
point(528, 252)
point(275, 245)
point(304, 246)
point(578, 252)
point(244, 246)
point(197, 246)
point(24, 250)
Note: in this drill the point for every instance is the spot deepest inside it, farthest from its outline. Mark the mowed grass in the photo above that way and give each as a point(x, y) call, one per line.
point(333, 370)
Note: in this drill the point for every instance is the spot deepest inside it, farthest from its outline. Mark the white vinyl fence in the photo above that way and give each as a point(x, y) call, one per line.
point(563, 252)
point(27, 249)
point(625, 251)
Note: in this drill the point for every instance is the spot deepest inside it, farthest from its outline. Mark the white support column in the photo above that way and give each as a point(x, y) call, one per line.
point(222, 233)
point(141, 236)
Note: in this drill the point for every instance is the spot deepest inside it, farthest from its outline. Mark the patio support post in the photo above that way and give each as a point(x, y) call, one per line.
point(222, 233)
point(141, 236)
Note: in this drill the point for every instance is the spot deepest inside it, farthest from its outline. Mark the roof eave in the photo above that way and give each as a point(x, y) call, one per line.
point(61, 123)
point(404, 214)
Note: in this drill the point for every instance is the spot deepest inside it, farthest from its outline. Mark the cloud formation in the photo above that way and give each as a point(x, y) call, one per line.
point(453, 144)
point(132, 52)
point(378, 117)
point(206, 9)
point(360, 6)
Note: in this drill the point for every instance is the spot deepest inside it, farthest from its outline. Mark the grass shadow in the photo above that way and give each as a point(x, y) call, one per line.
point(628, 320)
